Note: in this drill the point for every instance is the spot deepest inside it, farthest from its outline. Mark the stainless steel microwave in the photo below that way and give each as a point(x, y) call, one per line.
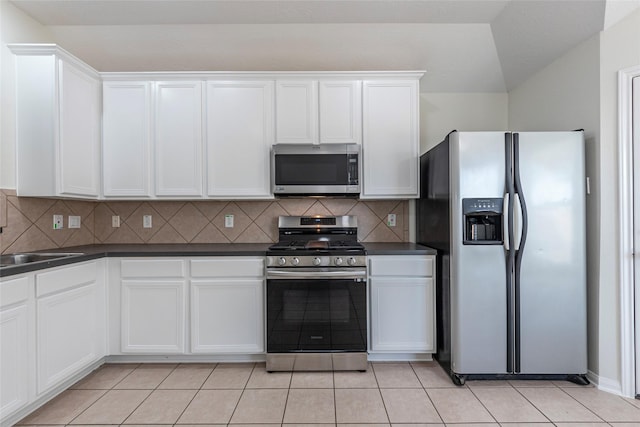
point(315, 169)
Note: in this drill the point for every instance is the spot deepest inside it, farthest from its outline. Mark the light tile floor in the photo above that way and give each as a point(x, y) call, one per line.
point(388, 394)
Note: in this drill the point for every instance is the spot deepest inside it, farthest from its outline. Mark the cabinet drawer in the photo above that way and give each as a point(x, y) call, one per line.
point(14, 291)
point(65, 278)
point(397, 265)
point(228, 267)
point(152, 268)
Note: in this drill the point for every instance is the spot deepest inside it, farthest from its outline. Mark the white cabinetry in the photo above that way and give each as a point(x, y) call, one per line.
point(153, 306)
point(239, 137)
point(227, 299)
point(163, 141)
point(58, 124)
point(17, 333)
point(70, 313)
point(390, 139)
point(126, 139)
point(178, 139)
point(402, 303)
point(324, 111)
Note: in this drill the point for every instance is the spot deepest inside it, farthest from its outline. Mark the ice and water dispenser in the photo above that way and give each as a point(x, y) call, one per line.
point(482, 221)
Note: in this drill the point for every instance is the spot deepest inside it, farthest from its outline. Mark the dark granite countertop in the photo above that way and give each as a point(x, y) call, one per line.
point(90, 252)
point(398, 249)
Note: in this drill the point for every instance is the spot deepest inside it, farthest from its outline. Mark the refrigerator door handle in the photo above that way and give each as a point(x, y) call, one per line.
point(505, 224)
point(517, 221)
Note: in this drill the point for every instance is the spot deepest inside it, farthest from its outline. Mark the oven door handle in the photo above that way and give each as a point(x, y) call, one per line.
point(316, 274)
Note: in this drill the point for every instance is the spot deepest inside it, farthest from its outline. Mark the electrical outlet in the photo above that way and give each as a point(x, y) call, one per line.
point(58, 222)
point(391, 220)
point(74, 221)
point(146, 221)
point(228, 221)
point(115, 221)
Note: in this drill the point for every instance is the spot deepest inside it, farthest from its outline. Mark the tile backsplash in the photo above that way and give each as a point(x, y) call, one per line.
point(28, 221)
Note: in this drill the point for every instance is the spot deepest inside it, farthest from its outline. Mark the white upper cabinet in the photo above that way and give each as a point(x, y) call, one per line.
point(297, 112)
point(79, 147)
point(340, 111)
point(239, 137)
point(390, 139)
point(57, 124)
point(312, 111)
point(152, 139)
point(126, 139)
point(178, 139)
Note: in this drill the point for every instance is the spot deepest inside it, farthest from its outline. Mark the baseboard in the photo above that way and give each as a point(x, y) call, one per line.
point(605, 384)
point(400, 357)
point(191, 358)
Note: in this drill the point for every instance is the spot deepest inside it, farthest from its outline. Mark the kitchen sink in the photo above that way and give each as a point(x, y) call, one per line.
point(28, 258)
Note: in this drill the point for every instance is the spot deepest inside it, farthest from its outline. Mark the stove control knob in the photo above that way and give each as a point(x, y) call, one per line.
point(316, 261)
point(282, 261)
point(338, 261)
point(295, 261)
point(351, 261)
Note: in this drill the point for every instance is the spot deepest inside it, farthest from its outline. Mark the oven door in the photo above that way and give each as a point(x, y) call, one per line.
point(316, 311)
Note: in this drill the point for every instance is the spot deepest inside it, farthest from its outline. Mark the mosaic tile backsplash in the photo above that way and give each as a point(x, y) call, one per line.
point(27, 222)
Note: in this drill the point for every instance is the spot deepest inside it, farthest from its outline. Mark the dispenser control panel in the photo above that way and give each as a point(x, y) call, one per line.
point(482, 221)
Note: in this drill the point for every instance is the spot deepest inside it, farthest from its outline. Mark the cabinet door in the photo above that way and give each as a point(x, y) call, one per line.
point(126, 139)
point(14, 355)
point(227, 316)
point(70, 333)
point(79, 144)
point(239, 137)
point(178, 139)
point(390, 139)
point(402, 314)
point(153, 316)
point(297, 112)
point(340, 111)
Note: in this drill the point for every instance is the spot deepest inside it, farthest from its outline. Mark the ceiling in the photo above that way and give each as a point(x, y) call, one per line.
point(464, 45)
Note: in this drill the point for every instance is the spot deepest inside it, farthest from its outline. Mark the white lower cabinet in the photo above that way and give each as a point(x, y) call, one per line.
point(199, 305)
point(153, 306)
point(70, 327)
point(402, 303)
point(227, 300)
point(16, 337)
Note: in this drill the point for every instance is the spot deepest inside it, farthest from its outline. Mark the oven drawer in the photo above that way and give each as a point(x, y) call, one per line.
point(401, 265)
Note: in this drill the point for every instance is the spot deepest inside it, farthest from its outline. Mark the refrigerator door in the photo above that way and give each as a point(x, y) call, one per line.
point(478, 272)
point(551, 261)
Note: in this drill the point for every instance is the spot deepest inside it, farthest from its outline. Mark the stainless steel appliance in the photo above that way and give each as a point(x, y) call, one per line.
point(316, 296)
point(506, 212)
point(315, 169)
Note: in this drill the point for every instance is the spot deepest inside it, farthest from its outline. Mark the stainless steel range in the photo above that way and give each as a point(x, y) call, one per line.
point(317, 296)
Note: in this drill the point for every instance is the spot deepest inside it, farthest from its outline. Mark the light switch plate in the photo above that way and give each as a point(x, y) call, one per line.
point(115, 221)
point(146, 221)
point(58, 222)
point(228, 221)
point(74, 221)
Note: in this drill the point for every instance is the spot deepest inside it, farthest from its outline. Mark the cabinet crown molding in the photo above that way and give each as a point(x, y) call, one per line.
point(44, 49)
point(272, 75)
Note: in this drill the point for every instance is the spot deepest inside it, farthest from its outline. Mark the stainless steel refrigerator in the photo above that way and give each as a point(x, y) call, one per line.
point(506, 212)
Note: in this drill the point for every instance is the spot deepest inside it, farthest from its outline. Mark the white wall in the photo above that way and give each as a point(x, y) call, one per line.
point(619, 49)
point(440, 113)
point(15, 27)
